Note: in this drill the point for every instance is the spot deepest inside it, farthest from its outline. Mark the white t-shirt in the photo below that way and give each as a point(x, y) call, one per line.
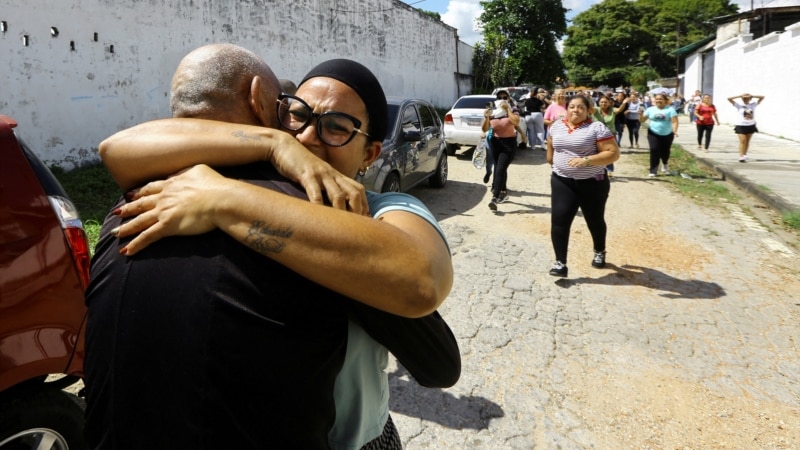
point(746, 114)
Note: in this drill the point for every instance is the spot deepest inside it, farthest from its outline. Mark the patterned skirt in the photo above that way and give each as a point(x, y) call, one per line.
point(389, 440)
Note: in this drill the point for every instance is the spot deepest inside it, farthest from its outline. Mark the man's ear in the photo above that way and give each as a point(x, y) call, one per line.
point(372, 153)
point(259, 103)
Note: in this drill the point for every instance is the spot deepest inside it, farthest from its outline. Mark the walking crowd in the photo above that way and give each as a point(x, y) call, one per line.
point(582, 134)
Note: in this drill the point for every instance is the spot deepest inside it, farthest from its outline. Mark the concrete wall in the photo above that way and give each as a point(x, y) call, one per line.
point(691, 75)
point(767, 66)
point(111, 63)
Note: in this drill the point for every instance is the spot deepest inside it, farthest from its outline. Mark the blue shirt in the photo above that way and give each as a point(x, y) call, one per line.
point(660, 119)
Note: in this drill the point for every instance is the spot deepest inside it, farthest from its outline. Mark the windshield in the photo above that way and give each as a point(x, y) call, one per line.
point(473, 102)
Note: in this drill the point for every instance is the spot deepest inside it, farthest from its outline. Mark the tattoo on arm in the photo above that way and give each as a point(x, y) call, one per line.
point(244, 137)
point(265, 239)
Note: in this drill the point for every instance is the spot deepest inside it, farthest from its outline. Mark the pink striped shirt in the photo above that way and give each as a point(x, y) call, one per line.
point(576, 143)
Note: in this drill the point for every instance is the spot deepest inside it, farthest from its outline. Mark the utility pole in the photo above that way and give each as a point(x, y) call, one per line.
point(678, 57)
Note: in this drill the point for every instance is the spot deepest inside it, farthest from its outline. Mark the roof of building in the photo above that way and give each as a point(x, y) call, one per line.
point(686, 49)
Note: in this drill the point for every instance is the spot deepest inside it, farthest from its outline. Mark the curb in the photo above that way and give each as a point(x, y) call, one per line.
point(774, 201)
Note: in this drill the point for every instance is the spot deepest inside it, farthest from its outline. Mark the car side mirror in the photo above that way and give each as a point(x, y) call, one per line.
point(412, 136)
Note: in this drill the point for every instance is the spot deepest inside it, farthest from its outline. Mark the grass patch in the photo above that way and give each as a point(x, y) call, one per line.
point(792, 220)
point(705, 186)
point(93, 192)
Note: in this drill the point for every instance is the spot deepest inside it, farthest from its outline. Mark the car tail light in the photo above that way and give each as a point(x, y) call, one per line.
point(448, 118)
point(76, 236)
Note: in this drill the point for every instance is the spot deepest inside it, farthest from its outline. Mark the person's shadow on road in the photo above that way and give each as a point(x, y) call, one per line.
point(651, 278)
point(435, 405)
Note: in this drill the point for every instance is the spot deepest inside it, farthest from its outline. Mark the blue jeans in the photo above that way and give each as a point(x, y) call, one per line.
point(534, 122)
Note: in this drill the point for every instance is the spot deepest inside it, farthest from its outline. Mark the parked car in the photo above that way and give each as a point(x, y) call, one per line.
point(413, 151)
point(44, 270)
point(462, 124)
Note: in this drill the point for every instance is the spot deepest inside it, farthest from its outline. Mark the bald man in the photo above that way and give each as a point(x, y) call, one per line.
point(189, 343)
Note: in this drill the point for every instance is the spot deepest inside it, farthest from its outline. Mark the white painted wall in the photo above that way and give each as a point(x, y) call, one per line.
point(66, 101)
point(692, 75)
point(768, 66)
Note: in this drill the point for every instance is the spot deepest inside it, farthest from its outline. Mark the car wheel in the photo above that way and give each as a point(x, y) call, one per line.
point(47, 418)
point(439, 179)
point(452, 149)
point(392, 183)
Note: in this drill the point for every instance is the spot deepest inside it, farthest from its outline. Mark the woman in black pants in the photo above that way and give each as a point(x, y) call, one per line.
point(503, 122)
point(632, 119)
point(579, 150)
point(662, 130)
point(705, 114)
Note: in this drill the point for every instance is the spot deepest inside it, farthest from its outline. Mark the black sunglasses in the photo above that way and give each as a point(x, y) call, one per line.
point(333, 128)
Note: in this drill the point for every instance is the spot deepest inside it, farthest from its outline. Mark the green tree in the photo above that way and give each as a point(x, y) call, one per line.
point(520, 37)
point(617, 42)
point(639, 77)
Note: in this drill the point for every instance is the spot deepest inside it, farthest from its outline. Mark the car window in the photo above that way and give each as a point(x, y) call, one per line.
point(392, 111)
point(517, 93)
point(472, 102)
point(427, 117)
point(410, 120)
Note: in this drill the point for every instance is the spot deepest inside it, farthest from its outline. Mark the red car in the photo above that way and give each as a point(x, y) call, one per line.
point(44, 270)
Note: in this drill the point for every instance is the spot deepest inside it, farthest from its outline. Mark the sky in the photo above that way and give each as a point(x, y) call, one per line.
point(461, 14)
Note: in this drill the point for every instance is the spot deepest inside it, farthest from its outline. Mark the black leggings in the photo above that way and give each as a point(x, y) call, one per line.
point(660, 147)
point(707, 129)
point(569, 194)
point(633, 130)
point(503, 151)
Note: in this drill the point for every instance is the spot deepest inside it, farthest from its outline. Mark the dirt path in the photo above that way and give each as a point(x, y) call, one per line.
point(689, 339)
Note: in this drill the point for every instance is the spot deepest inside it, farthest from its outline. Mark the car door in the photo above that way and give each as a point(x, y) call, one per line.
point(411, 134)
point(431, 140)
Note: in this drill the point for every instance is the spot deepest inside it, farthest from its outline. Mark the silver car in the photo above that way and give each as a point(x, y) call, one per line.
point(462, 124)
point(413, 151)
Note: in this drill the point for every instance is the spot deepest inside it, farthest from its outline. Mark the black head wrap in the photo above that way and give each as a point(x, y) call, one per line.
point(366, 86)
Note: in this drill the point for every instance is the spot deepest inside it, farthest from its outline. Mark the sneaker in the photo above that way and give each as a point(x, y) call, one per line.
point(503, 197)
point(742, 159)
point(664, 169)
point(651, 175)
point(599, 259)
point(493, 204)
point(559, 269)
point(486, 177)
